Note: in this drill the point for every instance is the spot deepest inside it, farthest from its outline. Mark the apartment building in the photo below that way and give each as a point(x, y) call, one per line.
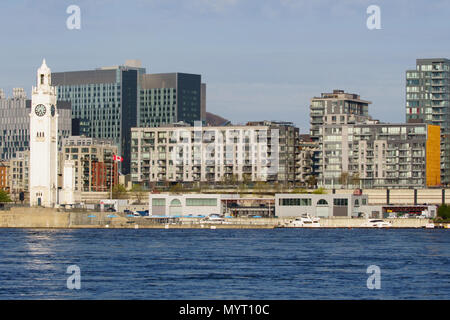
point(19, 167)
point(372, 154)
point(336, 107)
point(428, 100)
point(4, 176)
point(95, 169)
point(258, 151)
point(306, 148)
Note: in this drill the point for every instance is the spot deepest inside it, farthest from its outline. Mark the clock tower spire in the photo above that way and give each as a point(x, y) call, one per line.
point(43, 141)
point(44, 77)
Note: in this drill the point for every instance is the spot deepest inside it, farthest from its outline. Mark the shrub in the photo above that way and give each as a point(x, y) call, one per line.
point(319, 191)
point(4, 196)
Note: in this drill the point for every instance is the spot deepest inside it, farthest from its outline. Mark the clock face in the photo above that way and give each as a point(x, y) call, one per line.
point(52, 110)
point(40, 110)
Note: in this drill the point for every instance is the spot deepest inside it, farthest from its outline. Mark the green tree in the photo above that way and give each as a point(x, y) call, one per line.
point(242, 188)
point(119, 192)
point(444, 211)
point(177, 188)
point(4, 196)
point(354, 179)
point(311, 181)
point(137, 191)
point(259, 187)
point(343, 179)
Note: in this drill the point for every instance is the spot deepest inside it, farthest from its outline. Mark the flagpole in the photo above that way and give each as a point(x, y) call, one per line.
point(111, 182)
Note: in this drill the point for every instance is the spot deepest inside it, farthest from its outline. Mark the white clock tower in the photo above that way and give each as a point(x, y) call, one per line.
point(43, 142)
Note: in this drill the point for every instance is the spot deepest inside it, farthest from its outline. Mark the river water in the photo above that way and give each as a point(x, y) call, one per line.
point(224, 264)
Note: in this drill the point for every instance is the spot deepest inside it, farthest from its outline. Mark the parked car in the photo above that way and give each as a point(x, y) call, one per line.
point(136, 214)
point(111, 209)
point(424, 215)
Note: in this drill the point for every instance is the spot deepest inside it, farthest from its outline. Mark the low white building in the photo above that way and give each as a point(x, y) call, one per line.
point(320, 205)
point(117, 204)
point(184, 204)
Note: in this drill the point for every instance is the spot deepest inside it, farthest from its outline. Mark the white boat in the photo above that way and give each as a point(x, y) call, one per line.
point(377, 223)
point(305, 221)
point(429, 226)
point(214, 218)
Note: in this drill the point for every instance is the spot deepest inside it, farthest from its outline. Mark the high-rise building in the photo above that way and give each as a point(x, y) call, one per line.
point(428, 100)
point(336, 107)
point(15, 123)
point(112, 100)
point(168, 98)
point(106, 99)
point(356, 151)
point(333, 108)
point(380, 155)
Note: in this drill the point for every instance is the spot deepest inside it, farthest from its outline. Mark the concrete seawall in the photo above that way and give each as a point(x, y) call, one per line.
point(33, 218)
point(51, 218)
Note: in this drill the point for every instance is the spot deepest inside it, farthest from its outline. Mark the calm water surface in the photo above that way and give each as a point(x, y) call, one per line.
point(224, 264)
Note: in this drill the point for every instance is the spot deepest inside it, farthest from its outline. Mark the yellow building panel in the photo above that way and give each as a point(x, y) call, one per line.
point(433, 170)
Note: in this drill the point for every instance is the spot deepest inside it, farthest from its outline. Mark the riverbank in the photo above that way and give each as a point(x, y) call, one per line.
point(52, 218)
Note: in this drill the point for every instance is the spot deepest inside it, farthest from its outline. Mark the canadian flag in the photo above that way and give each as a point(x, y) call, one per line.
point(117, 158)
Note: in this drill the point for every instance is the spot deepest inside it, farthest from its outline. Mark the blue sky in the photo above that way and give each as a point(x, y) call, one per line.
point(261, 59)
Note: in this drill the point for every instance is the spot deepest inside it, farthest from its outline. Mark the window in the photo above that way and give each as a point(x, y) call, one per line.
point(158, 202)
point(322, 202)
point(295, 202)
point(201, 202)
point(340, 202)
point(175, 203)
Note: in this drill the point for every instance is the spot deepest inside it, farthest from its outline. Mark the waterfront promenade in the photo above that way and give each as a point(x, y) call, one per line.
point(52, 218)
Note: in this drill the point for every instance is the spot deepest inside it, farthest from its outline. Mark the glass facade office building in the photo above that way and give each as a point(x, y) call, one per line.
point(15, 123)
point(112, 100)
point(106, 98)
point(169, 97)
